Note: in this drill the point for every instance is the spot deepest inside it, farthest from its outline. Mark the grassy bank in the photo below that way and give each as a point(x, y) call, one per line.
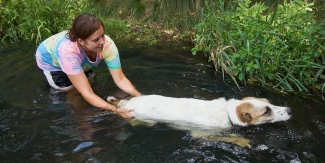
point(281, 46)
point(275, 44)
point(278, 44)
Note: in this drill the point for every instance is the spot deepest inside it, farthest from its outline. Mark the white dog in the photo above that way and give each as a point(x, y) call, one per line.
point(216, 113)
point(189, 112)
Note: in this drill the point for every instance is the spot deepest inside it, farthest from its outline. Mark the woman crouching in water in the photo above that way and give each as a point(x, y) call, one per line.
point(66, 60)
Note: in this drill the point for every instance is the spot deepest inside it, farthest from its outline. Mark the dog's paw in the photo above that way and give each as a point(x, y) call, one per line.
point(112, 99)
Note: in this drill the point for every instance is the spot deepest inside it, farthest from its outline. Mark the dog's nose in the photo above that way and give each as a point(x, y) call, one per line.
point(288, 111)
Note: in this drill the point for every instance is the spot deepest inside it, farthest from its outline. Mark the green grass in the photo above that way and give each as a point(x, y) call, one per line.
point(280, 47)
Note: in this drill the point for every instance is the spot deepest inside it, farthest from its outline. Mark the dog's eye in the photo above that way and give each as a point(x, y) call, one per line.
point(268, 111)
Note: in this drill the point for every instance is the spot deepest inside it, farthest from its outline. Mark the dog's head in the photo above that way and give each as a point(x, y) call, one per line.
point(253, 111)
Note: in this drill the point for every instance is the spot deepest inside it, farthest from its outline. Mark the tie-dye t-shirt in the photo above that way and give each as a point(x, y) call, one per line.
point(58, 53)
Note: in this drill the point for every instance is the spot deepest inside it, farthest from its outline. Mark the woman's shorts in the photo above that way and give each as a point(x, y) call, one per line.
point(59, 79)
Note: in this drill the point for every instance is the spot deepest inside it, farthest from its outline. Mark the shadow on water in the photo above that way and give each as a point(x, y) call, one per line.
point(38, 124)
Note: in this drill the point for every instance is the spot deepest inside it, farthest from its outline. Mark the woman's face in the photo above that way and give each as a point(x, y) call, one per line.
point(95, 42)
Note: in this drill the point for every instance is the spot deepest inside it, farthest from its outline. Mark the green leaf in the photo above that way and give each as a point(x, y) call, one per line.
point(236, 55)
point(256, 66)
point(241, 76)
point(306, 73)
point(248, 68)
point(269, 75)
point(319, 72)
point(257, 55)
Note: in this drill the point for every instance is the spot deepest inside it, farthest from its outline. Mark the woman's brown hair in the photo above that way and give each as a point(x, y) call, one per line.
point(84, 25)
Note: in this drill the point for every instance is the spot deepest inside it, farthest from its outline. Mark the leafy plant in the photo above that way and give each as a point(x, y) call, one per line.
point(281, 46)
point(35, 20)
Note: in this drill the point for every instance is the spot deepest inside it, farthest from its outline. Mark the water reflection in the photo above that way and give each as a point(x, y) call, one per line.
point(38, 124)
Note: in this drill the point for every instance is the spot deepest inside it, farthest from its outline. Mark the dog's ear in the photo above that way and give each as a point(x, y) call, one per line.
point(243, 112)
point(262, 99)
point(246, 117)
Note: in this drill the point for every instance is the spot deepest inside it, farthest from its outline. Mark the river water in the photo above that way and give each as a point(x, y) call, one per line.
point(39, 124)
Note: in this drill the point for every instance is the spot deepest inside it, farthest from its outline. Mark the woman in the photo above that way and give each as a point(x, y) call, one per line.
point(67, 58)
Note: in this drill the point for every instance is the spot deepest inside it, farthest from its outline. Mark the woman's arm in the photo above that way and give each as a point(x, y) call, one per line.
point(123, 83)
point(81, 83)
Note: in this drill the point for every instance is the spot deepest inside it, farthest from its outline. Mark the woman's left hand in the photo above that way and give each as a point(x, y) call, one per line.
point(124, 113)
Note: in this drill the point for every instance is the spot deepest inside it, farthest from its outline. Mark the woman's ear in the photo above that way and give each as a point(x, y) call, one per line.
point(81, 42)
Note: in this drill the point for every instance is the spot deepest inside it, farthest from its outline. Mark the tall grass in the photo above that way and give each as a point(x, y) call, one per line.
point(281, 46)
point(277, 43)
point(182, 14)
point(35, 20)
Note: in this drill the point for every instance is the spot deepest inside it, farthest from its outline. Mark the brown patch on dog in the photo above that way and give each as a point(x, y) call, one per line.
point(243, 112)
point(114, 102)
point(262, 99)
point(248, 114)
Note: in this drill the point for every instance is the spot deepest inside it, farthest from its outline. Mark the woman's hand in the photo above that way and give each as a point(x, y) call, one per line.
point(81, 83)
point(124, 113)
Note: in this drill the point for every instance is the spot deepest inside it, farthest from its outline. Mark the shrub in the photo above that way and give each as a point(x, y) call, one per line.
point(281, 46)
point(35, 20)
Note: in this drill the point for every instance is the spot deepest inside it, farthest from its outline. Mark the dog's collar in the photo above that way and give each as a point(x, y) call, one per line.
point(230, 120)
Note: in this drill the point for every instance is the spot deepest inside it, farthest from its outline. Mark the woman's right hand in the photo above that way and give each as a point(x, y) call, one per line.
point(81, 83)
point(124, 113)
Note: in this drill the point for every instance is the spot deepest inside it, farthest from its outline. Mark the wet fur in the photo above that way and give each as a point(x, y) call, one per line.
point(189, 113)
point(194, 112)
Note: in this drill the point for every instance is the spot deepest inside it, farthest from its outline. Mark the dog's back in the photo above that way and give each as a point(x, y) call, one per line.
point(179, 110)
